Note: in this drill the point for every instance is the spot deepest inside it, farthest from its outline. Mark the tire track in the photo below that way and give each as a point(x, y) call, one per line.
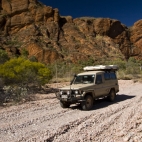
point(96, 124)
point(46, 121)
point(23, 126)
point(21, 112)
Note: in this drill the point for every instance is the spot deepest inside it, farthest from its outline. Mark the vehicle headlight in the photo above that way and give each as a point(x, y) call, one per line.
point(76, 92)
point(61, 92)
point(68, 92)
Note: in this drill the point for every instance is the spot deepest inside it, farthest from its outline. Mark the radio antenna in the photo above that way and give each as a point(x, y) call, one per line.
point(69, 69)
point(56, 74)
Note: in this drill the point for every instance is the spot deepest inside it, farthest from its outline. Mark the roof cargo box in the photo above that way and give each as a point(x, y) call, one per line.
point(101, 67)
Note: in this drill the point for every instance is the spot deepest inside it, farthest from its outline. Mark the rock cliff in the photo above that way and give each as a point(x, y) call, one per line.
point(29, 25)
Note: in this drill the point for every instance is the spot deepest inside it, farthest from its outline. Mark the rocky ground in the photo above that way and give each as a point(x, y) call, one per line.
point(46, 121)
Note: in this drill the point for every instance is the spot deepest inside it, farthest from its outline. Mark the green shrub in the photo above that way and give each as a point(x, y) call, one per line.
point(19, 75)
point(3, 56)
point(127, 69)
point(22, 71)
point(24, 52)
point(33, 59)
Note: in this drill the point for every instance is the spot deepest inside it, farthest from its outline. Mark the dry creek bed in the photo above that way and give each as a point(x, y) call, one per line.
point(46, 121)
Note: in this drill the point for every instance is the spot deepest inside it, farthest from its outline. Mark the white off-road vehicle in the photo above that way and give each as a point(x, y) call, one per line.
point(96, 82)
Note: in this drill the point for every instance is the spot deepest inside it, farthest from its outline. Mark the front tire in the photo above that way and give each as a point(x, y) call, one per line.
point(112, 95)
point(88, 104)
point(64, 104)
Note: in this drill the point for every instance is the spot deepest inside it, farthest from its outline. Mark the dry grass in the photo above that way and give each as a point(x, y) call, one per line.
point(135, 77)
point(59, 80)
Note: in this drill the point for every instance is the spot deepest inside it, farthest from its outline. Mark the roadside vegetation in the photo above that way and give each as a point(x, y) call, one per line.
point(20, 77)
point(131, 69)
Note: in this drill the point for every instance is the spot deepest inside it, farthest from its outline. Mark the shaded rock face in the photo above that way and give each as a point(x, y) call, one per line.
point(43, 55)
point(136, 38)
point(24, 12)
point(39, 29)
point(27, 22)
point(19, 6)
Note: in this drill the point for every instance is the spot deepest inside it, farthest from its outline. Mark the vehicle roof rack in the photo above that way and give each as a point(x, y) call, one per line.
point(101, 68)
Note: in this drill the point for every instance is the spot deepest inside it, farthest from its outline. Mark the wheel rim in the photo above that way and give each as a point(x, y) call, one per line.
point(88, 102)
point(112, 96)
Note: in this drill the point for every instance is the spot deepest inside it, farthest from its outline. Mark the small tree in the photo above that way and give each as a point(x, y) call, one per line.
point(20, 74)
point(22, 71)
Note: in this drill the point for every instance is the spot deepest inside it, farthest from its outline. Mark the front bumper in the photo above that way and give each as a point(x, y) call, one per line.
point(71, 98)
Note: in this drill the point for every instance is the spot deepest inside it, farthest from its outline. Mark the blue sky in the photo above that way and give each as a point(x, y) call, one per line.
point(126, 11)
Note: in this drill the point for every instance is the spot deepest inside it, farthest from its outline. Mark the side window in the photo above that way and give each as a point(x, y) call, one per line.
point(106, 76)
point(113, 75)
point(98, 79)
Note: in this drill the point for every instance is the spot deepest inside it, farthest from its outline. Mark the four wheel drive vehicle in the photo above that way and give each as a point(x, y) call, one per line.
point(97, 82)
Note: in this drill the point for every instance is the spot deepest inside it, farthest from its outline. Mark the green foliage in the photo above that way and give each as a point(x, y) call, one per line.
point(66, 69)
point(99, 37)
point(25, 53)
point(3, 56)
point(132, 66)
point(33, 59)
point(89, 62)
point(14, 42)
point(121, 63)
point(127, 69)
point(19, 75)
point(61, 69)
point(22, 71)
point(132, 60)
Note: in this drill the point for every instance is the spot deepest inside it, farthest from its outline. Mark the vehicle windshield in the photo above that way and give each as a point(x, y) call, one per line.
point(84, 79)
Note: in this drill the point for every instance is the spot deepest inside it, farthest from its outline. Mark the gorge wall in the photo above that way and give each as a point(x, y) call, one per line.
point(28, 25)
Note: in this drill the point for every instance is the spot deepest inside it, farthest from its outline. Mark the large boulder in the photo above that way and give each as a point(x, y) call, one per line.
point(45, 34)
point(48, 12)
point(56, 15)
point(42, 55)
point(136, 39)
point(106, 26)
point(39, 15)
point(19, 6)
point(6, 6)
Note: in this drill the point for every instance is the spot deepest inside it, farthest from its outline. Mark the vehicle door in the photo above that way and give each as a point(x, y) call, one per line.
point(107, 83)
point(110, 81)
point(99, 88)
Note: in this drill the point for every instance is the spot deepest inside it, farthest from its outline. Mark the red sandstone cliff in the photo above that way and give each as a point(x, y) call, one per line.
point(39, 29)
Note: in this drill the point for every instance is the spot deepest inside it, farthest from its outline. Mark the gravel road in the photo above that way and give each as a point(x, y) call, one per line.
point(46, 121)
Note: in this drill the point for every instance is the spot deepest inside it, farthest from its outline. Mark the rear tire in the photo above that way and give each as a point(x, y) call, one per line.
point(64, 104)
point(112, 95)
point(88, 103)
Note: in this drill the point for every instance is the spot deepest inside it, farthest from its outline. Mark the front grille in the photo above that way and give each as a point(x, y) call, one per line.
point(72, 92)
point(64, 93)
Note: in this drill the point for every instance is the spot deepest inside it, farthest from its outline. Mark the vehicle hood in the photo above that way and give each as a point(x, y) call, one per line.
point(77, 86)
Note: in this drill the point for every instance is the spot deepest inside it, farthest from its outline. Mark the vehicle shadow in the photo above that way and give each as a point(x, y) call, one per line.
point(102, 103)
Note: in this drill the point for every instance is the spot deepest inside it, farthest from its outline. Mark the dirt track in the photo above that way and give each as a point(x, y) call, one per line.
point(46, 121)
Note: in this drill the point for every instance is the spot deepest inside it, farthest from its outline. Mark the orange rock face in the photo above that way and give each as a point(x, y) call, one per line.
point(136, 39)
point(43, 55)
point(39, 29)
